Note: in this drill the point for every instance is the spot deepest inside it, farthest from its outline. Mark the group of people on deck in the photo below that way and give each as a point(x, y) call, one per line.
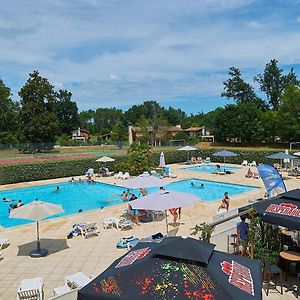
point(251, 174)
point(136, 214)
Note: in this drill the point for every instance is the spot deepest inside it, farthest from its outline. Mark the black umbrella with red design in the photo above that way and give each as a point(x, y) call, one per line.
point(282, 210)
point(177, 268)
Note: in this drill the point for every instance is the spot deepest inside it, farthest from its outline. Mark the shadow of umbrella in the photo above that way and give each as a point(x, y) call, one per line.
point(52, 245)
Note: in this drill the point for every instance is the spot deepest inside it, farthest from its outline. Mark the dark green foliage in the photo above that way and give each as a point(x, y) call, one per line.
point(139, 160)
point(204, 231)
point(66, 112)
point(37, 120)
point(239, 90)
point(273, 83)
point(267, 241)
point(8, 115)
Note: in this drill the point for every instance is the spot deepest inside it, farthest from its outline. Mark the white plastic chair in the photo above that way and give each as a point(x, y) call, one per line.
point(89, 172)
point(118, 175)
point(61, 290)
point(88, 230)
point(125, 176)
point(70, 295)
point(253, 164)
point(31, 289)
point(244, 163)
point(207, 160)
point(77, 280)
point(108, 223)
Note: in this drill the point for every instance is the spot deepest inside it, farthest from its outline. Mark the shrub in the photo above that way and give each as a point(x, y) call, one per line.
point(56, 169)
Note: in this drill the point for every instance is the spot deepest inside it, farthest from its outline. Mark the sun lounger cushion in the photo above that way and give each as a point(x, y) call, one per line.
point(124, 241)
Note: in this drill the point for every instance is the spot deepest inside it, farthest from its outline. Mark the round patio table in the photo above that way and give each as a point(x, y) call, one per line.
point(290, 257)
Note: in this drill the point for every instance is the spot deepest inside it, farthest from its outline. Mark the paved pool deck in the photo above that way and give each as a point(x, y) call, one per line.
point(92, 256)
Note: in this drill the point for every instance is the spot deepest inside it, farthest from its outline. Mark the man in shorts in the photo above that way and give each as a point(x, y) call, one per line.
point(242, 234)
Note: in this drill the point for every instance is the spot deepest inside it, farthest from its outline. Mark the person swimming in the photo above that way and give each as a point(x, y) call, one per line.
point(7, 200)
point(198, 186)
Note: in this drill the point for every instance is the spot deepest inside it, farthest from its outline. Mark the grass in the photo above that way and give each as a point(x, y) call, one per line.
point(115, 151)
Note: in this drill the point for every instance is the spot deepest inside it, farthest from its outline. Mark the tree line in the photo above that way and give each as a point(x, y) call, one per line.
point(45, 115)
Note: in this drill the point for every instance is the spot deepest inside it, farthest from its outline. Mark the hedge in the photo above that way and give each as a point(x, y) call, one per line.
point(57, 169)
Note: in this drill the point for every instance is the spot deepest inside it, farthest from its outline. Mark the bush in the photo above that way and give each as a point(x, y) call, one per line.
point(57, 169)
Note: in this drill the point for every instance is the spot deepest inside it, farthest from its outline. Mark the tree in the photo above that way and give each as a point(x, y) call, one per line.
point(239, 90)
point(149, 109)
point(273, 83)
point(119, 133)
point(66, 112)
point(86, 120)
point(8, 115)
point(237, 123)
point(106, 118)
point(174, 116)
point(139, 159)
point(38, 122)
point(288, 115)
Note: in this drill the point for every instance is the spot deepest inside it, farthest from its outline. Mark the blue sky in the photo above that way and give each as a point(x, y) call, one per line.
point(123, 52)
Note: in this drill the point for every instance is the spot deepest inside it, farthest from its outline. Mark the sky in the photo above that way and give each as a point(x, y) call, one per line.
point(117, 53)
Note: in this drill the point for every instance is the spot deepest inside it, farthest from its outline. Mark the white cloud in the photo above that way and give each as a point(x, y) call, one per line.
point(113, 77)
point(58, 85)
point(121, 52)
point(254, 24)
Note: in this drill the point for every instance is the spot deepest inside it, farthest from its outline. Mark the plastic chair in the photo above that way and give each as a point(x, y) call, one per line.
point(31, 289)
point(244, 163)
point(271, 270)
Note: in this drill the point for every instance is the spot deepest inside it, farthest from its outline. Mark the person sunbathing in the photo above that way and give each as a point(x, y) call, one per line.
point(249, 174)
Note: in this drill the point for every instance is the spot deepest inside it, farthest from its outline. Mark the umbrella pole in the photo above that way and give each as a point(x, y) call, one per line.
point(38, 247)
point(252, 241)
point(38, 252)
point(167, 222)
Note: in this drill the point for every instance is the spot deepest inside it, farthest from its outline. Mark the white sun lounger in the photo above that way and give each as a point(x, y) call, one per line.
point(31, 289)
point(68, 295)
point(119, 222)
point(3, 243)
point(88, 230)
point(77, 280)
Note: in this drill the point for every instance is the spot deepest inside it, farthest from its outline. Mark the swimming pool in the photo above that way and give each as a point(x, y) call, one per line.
point(88, 196)
point(210, 168)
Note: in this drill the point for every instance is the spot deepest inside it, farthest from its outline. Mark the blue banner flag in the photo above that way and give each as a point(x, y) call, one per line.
point(272, 180)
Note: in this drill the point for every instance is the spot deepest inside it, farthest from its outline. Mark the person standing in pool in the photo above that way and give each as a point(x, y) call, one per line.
point(143, 192)
point(224, 203)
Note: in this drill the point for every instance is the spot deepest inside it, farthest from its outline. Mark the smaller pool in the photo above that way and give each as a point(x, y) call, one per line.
point(209, 190)
point(211, 168)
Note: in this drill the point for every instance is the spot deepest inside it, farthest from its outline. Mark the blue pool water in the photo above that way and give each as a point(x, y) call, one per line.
point(87, 196)
point(210, 168)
